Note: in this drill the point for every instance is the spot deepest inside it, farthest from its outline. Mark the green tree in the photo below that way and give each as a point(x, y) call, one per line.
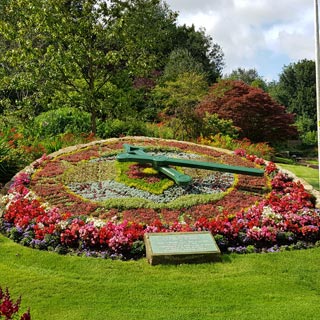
point(213, 125)
point(181, 61)
point(296, 90)
point(305, 127)
point(202, 49)
point(78, 52)
point(178, 99)
point(248, 76)
point(17, 85)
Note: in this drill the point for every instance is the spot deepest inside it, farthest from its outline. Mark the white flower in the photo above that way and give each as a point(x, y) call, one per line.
point(40, 225)
point(62, 224)
point(98, 223)
point(30, 170)
point(255, 229)
point(268, 213)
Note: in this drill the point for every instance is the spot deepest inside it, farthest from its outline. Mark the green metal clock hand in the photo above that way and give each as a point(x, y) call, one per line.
point(178, 177)
point(137, 154)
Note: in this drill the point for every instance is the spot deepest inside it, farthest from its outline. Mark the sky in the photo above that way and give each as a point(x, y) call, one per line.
point(265, 35)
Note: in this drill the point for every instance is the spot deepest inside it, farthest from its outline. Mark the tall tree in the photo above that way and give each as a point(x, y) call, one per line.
point(77, 52)
point(18, 34)
point(181, 61)
point(296, 90)
point(179, 98)
point(202, 48)
point(251, 109)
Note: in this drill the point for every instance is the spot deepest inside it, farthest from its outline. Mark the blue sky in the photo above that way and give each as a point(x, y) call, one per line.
point(261, 34)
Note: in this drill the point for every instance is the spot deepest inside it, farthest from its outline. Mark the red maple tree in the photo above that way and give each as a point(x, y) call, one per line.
point(259, 118)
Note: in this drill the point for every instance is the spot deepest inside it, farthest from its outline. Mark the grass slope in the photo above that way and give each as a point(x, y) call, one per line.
point(257, 286)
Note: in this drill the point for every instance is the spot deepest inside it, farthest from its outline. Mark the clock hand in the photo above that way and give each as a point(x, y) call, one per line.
point(159, 161)
point(137, 154)
point(178, 177)
point(142, 157)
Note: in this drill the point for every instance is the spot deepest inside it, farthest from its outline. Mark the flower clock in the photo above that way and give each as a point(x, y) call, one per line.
point(83, 200)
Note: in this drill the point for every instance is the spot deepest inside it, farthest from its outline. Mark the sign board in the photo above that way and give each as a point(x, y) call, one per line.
point(181, 247)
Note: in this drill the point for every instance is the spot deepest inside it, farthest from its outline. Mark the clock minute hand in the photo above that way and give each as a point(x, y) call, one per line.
point(210, 166)
point(159, 161)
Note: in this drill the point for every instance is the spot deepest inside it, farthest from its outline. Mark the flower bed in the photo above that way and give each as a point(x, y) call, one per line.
point(84, 202)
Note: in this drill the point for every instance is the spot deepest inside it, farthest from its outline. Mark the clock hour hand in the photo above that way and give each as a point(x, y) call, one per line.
point(156, 162)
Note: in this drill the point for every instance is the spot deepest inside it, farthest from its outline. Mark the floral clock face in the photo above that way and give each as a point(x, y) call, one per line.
point(82, 200)
point(91, 178)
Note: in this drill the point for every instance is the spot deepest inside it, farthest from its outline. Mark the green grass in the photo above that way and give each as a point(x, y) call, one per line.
point(308, 174)
point(315, 162)
point(257, 286)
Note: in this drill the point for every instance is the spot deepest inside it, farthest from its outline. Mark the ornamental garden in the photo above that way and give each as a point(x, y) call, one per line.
point(82, 201)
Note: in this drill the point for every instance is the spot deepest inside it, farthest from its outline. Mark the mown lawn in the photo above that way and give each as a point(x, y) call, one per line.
point(276, 286)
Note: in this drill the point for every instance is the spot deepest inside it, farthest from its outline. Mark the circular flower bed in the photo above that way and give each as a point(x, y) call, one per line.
point(82, 200)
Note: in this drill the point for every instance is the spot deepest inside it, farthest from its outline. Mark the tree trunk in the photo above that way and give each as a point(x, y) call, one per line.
point(93, 121)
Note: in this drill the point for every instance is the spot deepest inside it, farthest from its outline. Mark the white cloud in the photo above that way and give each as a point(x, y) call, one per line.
point(254, 32)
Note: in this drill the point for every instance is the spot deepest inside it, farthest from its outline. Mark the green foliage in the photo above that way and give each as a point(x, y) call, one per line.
point(186, 89)
point(148, 30)
point(63, 120)
point(296, 90)
point(213, 125)
point(250, 77)
point(283, 160)
point(181, 61)
point(88, 55)
point(9, 159)
point(179, 203)
point(117, 128)
point(159, 130)
point(307, 135)
point(19, 147)
point(138, 248)
point(74, 54)
point(296, 87)
point(310, 138)
point(202, 49)
point(261, 149)
point(179, 98)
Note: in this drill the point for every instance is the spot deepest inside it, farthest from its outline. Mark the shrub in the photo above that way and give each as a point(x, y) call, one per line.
point(309, 138)
point(213, 125)
point(7, 166)
point(20, 147)
point(117, 128)
point(8, 159)
point(63, 120)
point(159, 130)
point(262, 150)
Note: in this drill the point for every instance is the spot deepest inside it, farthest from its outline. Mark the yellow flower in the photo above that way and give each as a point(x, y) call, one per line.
point(150, 171)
